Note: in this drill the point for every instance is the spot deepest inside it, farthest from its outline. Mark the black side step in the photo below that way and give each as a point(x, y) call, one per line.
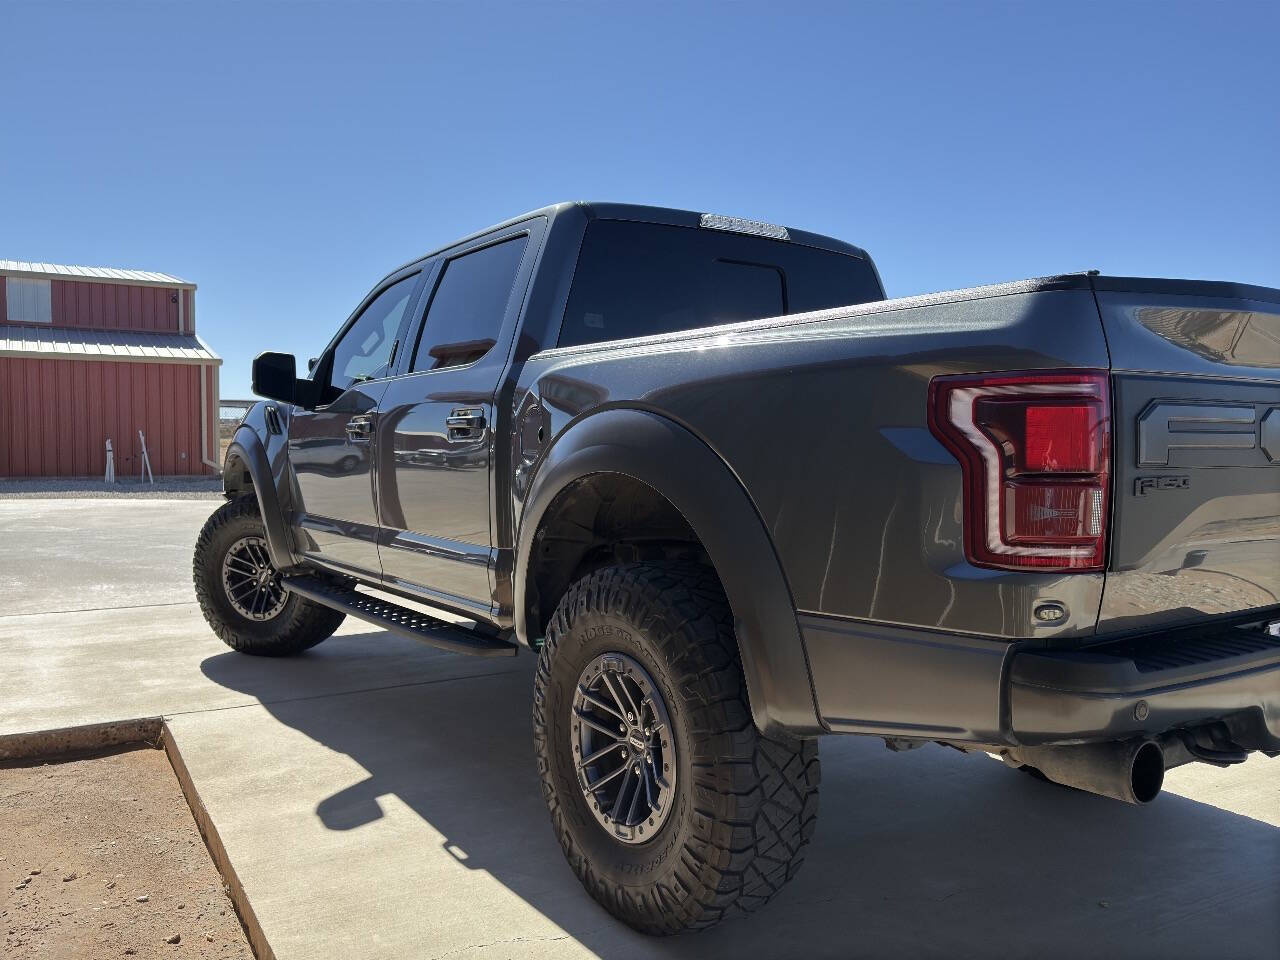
point(401, 620)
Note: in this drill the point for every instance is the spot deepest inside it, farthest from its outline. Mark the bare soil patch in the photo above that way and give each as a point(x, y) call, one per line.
point(101, 858)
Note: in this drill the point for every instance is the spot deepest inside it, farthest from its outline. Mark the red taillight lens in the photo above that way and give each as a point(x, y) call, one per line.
point(1036, 454)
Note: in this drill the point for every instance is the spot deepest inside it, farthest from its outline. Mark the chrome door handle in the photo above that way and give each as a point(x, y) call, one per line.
point(358, 429)
point(466, 418)
point(465, 423)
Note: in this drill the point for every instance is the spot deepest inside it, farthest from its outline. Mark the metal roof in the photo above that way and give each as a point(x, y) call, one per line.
point(58, 271)
point(66, 343)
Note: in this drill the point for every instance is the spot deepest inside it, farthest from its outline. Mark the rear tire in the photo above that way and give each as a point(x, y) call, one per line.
point(274, 622)
point(741, 808)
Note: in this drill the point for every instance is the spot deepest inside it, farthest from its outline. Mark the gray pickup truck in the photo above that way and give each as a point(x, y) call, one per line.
point(735, 499)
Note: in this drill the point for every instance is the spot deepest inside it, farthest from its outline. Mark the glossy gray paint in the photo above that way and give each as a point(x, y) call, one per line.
point(1196, 506)
point(797, 448)
point(822, 418)
point(665, 456)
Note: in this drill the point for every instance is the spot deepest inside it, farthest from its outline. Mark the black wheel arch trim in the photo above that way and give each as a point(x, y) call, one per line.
point(660, 453)
point(247, 446)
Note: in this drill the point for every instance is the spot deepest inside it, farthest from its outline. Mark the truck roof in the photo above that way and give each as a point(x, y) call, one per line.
point(605, 210)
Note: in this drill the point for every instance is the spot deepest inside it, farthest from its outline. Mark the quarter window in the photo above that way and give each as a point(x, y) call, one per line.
point(465, 316)
point(638, 279)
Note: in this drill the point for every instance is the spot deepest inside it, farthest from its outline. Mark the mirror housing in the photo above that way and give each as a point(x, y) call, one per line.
point(275, 377)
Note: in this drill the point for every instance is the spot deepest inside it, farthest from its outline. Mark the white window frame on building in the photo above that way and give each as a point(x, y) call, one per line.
point(28, 300)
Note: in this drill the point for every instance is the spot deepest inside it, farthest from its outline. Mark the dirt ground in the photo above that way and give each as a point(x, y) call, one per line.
point(101, 858)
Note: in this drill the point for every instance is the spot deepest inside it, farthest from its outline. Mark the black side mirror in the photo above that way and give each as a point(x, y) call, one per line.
point(311, 364)
point(275, 377)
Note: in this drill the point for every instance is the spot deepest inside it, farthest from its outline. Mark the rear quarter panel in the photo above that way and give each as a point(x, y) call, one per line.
point(823, 419)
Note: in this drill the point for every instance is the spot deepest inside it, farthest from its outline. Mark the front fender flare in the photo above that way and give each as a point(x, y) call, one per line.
point(247, 447)
point(681, 467)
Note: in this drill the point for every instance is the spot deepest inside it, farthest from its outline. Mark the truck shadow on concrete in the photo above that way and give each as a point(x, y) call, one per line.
point(928, 853)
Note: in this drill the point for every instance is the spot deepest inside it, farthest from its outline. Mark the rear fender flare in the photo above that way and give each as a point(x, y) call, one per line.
point(682, 468)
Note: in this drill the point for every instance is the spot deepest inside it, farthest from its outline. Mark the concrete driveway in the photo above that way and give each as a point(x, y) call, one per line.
point(379, 799)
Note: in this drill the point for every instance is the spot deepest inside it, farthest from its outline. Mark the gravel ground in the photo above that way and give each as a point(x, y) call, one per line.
point(168, 488)
point(101, 858)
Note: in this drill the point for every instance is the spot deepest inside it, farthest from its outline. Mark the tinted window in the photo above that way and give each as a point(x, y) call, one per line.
point(637, 279)
point(470, 301)
point(364, 352)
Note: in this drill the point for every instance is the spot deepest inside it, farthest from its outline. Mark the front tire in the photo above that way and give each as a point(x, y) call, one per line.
point(240, 593)
point(740, 808)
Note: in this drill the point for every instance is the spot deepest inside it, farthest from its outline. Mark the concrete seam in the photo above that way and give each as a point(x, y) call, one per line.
point(217, 852)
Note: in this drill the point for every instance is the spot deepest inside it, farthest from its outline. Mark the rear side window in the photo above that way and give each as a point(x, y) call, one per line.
point(466, 313)
point(638, 279)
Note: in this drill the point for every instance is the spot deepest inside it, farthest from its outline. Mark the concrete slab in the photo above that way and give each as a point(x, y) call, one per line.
point(408, 822)
point(91, 554)
point(379, 799)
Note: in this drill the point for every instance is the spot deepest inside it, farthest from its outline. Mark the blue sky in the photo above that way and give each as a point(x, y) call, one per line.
point(284, 157)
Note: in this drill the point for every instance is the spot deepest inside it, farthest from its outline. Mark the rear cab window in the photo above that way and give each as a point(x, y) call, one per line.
point(638, 279)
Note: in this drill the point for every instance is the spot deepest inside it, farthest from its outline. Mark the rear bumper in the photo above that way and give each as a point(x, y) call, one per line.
point(1145, 688)
point(925, 685)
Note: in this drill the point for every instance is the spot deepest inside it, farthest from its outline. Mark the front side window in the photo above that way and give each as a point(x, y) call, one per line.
point(365, 350)
point(470, 302)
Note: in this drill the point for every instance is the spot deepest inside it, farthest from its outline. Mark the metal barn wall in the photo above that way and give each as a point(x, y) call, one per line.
point(115, 306)
point(56, 414)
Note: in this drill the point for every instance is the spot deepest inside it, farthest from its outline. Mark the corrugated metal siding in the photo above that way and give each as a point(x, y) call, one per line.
point(55, 416)
point(114, 306)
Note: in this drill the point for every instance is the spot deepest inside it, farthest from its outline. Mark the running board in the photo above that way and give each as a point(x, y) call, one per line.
point(401, 620)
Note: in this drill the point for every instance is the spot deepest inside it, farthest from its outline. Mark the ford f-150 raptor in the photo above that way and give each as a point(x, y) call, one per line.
point(735, 499)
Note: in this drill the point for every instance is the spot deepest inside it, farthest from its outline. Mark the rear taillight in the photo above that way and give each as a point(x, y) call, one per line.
point(1036, 454)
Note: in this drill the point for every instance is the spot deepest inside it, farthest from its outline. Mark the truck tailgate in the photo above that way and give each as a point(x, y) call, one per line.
point(1196, 420)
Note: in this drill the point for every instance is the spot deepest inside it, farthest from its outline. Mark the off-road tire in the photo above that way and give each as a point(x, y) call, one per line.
point(299, 625)
point(745, 805)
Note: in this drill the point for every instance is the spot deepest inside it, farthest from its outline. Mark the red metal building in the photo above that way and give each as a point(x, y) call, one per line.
point(89, 354)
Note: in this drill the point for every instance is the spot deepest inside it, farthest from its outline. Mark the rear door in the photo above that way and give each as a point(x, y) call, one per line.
point(1196, 529)
point(331, 447)
point(438, 430)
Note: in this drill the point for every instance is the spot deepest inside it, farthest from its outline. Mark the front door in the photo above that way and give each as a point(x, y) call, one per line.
point(436, 428)
point(331, 447)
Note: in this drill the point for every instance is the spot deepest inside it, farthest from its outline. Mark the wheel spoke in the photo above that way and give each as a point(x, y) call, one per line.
point(235, 560)
point(608, 777)
point(598, 727)
point(645, 771)
point(608, 682)
point(622, 792)
point(587, 761)
point(635, 795)
point(595, 701)
point(235, 592)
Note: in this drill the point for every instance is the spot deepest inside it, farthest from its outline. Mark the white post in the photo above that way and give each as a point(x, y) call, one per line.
point(145, 468)
point(110, 476)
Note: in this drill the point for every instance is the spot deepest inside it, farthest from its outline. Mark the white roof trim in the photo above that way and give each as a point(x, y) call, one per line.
point(66, 343)
point(58, 271)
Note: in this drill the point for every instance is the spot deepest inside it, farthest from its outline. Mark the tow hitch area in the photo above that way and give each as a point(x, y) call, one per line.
point(1130, 770)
